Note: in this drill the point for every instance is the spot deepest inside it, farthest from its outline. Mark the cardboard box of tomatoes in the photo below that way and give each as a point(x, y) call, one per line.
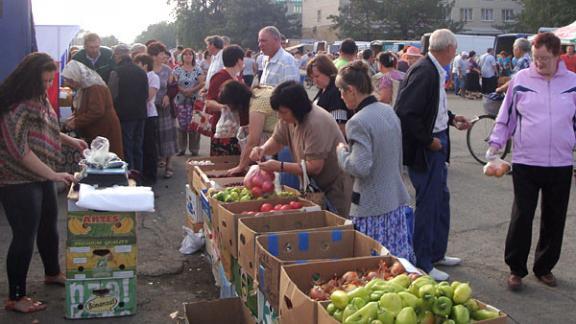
point(225, 221)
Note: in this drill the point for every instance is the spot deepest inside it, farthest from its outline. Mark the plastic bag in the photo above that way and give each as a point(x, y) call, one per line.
point(497, 168)
point(99, 155)
point(259, 182)
point(228, 124)
point(192, 242)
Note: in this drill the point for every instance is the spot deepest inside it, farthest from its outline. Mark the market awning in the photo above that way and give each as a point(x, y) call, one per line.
point(567, 34)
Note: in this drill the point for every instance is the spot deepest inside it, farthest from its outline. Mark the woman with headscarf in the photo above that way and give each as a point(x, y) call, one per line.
point(94, 113)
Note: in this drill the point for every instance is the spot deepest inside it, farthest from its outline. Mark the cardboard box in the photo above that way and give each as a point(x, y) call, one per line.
point(250, 227)
point(325, 318)
point(226, 226)
point(222, 183)
point(297, 279)
point(203, 177)
point(276, 250)
point(193, 217)
point(101, 258)
point(108, 297)
point(245, 287)
point(218, 163)
point(221, 311)
point(266, 315)
point(93, 224)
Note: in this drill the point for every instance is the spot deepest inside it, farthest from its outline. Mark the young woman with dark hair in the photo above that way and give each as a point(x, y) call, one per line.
point(30, 147)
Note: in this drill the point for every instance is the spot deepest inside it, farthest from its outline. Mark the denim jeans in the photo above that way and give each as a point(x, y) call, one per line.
point(133, 140)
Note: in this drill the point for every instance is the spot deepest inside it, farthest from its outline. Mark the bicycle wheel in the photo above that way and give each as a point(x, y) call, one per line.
point(478, 135)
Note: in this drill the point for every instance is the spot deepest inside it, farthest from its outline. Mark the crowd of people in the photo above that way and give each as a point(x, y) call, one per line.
point(373, 115)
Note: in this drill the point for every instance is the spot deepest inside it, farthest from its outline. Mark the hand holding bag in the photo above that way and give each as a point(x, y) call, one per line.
point(201, 120)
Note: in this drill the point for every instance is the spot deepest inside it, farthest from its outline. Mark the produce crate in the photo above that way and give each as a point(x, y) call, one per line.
point(100, 298)
point(221, 311)
point(250, 227)
point(93, 224)
point(101, 258)
point(218, 163)
point(226, 226)
point(193, 216)
point(297, 279)
point(244, 286)
point(266, 315)
point(277, 250)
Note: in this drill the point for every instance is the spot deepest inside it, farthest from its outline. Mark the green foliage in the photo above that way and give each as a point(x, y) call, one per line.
point(238, 19)
point(162, 31)
point(549, 13)
point(109, 41)
point(393, 19)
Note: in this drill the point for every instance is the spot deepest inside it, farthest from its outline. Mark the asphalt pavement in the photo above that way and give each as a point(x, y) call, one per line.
point(480, 214)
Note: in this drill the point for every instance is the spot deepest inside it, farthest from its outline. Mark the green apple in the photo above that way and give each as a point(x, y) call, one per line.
point(462, 293)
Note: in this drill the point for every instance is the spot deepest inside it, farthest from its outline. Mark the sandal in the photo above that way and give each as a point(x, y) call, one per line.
point(161, 164)
point(57, 280)
point(168, 174)
point(24, 305)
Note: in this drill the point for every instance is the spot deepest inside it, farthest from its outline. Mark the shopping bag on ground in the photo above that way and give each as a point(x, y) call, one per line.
point(192, 242)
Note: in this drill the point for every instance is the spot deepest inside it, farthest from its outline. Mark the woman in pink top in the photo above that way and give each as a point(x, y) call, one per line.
point(389, 83)
point(539, 112)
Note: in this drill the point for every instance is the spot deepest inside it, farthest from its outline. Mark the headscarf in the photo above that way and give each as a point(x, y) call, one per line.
point(82, 74)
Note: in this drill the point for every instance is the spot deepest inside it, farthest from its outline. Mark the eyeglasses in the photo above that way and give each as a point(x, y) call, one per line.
point(543, 59)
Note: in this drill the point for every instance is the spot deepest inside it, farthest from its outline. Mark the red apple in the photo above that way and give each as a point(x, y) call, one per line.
point(266, 207)
point(295, 204)
point(256, 191)
point(278, 207)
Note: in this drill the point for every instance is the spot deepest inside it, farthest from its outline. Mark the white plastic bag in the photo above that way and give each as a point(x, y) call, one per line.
point(497, 168)
point(228, 124)
point(99, 155)
point(192, 242)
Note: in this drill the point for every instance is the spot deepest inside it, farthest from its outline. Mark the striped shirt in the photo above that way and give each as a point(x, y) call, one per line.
point(28, 126)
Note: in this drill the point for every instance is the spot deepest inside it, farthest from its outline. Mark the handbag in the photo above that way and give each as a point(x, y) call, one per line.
point(201, 121)
point(309, 189)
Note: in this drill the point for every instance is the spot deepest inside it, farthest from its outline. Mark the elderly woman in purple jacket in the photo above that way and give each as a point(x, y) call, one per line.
point(539, 113)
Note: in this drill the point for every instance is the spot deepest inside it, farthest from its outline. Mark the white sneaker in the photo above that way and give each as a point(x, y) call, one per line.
point(438, 275)
point(449, 261)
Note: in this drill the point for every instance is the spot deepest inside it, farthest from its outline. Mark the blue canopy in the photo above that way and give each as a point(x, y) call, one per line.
point(17, 34)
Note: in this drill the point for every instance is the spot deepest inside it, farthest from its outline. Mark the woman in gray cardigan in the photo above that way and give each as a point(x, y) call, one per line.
point(374, 158)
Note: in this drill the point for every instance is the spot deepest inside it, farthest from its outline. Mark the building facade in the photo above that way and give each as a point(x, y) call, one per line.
point(481, 17)
point(294, 6)
point(485, 17)
point(315, 22)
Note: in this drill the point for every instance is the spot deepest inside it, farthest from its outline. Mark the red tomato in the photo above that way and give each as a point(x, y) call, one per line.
point(267, 176)
point(266, 207)
point(286, 207)
point(295, 204)
point(256, 191)
point(267, 186)
point(278, 207)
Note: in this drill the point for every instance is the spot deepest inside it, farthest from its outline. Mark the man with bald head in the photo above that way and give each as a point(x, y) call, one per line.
point(279, 65)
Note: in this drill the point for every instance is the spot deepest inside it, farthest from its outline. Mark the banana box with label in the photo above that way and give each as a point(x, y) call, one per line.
point(101, 258)
point(108, 297)
point(93, 224)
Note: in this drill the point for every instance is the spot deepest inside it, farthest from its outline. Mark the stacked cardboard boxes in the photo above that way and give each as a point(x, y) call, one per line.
point(101, 258)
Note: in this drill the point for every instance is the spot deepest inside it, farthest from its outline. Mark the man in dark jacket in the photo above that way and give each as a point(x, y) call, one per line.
point(129, 87)
point(96, 57)
point(422, 108)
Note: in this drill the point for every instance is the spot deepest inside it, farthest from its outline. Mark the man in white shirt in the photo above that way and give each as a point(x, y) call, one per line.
point(279, 65)
point(489, 70)
point(422, 108)
point(214, 45)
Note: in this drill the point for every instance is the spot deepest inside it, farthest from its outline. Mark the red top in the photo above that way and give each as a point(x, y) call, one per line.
point(570, 62)
point(214, 88)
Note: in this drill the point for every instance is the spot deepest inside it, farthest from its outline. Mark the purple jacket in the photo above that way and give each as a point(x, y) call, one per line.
point(540, 115)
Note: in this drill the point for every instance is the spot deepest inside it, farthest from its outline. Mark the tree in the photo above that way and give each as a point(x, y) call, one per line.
point(549, 13)
point(238, 19)
point(109, 41)
point(393, 19)
point(163, 31)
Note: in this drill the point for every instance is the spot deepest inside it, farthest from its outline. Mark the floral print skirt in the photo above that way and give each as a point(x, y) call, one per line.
point(391, 230)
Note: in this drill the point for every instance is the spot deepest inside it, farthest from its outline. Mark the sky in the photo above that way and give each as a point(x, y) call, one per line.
point(124, 19)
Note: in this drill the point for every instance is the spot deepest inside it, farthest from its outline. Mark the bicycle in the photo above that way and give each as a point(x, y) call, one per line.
point(481, 127)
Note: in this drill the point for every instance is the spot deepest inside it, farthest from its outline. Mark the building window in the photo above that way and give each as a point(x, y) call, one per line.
point(508, 15)
point(466, 14)
point(487, 14)
point(298, 8)
point(319, 15)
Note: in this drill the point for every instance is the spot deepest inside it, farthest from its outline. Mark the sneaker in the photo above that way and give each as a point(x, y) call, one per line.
point(438, 275)
point(449, 261)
